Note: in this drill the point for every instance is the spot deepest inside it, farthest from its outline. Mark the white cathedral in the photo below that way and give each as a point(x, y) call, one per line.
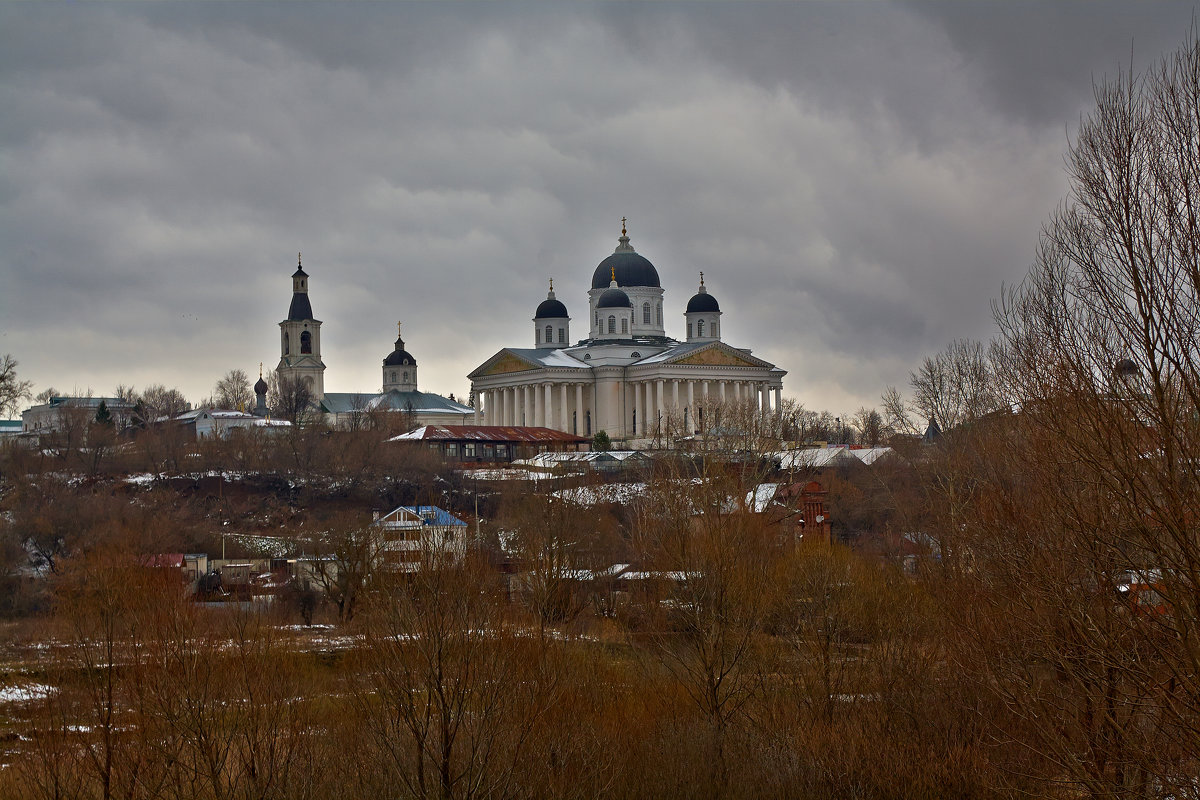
point(628, 378)
point(300, 359)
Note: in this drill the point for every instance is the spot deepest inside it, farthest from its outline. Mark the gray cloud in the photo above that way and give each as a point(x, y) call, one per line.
point(856, 180)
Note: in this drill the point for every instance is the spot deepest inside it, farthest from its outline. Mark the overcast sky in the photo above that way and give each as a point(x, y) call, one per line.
point(856, 181)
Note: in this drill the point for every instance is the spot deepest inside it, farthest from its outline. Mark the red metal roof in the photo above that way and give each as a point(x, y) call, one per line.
point(491, 433)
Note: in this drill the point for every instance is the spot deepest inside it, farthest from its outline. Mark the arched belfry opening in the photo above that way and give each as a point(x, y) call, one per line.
point(305, 342)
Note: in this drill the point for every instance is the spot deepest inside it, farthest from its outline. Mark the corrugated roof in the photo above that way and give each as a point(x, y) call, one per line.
point(488, 433)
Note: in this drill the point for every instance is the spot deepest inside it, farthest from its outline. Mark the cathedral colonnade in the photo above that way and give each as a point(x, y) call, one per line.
point(561, 405)
point(569, 406)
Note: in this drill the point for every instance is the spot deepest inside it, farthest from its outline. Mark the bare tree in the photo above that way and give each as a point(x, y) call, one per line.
point(157, 403)
point(954, 386)
point(233, 391)
point(12, 390)
point(869, 427)
point(1097, 494)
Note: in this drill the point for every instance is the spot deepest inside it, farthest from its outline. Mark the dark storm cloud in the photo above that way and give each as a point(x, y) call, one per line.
point(855, 180)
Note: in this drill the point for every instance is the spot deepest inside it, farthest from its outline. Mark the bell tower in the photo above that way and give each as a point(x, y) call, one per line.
point(300, 339)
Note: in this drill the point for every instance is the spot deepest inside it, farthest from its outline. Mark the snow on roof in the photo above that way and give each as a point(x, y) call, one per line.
point(813, 458)
point(869, 455)
point(619, 493)
point(488, 433)
point(762, 495)
point(672, 351)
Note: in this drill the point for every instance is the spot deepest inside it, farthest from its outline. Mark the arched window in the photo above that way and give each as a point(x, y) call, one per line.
point(660, 315)
point(562, 335)
point(645, 313)
point(700, 327)
point(287, 344)
point(624, 325)
point(549, 334)
point(612, 324)
point(404, 377)
point(393, 380)
point(689, 330)
point(305, 342)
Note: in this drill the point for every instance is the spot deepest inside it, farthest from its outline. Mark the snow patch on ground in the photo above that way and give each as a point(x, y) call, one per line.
point(25, 694)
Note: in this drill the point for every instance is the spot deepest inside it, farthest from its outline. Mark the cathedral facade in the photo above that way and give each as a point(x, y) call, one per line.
point(628, 377)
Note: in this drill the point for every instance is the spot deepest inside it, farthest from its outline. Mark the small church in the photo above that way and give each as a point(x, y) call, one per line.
point(300, 360)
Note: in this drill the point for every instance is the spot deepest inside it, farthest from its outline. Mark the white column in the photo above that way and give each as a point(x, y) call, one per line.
point(643, 398)
point(766, 399)
point(478, 403)
point(675, 394)
point(564, 423)
point(660, 396)
point(722, 390)
point(579, 420)
point(549, 409)
point(778, 398)
point(536, 419)
point(691, 407)
point(526, 406)
point(504, 407)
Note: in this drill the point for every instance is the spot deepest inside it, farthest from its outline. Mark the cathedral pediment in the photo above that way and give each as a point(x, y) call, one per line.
point(718, 354)
point(503, 362)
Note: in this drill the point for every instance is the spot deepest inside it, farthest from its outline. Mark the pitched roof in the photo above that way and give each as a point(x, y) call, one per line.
point(489, 433)
point(394, 400)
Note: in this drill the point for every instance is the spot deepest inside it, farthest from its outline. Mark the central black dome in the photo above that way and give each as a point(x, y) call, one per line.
point(630, 268)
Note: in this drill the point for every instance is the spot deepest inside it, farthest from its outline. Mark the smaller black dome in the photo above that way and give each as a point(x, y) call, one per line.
point(702, 301)
point(261, 386)
point(551, 309)
point(400, 357)
point(614, 298)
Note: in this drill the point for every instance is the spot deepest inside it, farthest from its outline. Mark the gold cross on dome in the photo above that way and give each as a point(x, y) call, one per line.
point(623, 227)
point(398, 329)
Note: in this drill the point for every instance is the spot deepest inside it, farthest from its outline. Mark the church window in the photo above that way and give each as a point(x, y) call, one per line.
point(612, 324)
point(305, 342)
point(405, 376)
point(635, 422)
point(624, 325)
point(660, 315)
point(700, 327)
point(549, 334)
point(562, 335)
point(537, 335)
point(689, 330)
point(287, 344)
point(714, 328)
point(645, 313)
point(393, 379)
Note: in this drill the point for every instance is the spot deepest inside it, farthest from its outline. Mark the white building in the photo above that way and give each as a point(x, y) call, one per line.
point(627, 377)
point(412, 535)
